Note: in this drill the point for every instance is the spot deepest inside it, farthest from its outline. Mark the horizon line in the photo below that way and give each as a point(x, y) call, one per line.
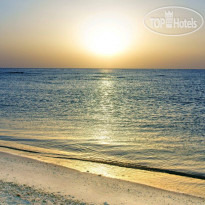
point(103, 68)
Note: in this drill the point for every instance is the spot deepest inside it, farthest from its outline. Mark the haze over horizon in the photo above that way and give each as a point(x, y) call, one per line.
point(93, 34)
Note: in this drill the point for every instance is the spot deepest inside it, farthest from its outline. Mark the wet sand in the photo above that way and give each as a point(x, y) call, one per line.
point(25, 180)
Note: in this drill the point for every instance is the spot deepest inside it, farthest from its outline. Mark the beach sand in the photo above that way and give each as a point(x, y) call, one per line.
point(26, 180)
point(11, 193)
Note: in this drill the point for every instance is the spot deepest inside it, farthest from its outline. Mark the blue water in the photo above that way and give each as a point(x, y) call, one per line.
point(151, 119)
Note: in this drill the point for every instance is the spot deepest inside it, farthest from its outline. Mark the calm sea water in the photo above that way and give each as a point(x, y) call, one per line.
point(144, 119)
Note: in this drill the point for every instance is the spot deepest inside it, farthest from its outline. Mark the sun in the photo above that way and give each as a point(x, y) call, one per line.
point(106, 38)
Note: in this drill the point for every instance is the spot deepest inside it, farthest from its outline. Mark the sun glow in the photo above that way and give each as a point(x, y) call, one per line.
point(106, 37)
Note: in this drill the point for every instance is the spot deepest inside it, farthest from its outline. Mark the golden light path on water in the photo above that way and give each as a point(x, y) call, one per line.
point(106, 105)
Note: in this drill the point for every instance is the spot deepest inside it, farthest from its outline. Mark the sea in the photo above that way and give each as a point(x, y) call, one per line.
point(138, 120)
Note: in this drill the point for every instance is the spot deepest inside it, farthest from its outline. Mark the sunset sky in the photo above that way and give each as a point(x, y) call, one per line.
point(93, 34)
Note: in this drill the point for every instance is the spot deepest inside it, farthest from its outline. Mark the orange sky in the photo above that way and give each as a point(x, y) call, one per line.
point(93, 34)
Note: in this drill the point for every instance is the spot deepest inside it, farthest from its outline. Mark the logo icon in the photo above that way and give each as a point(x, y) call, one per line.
point(169, 19)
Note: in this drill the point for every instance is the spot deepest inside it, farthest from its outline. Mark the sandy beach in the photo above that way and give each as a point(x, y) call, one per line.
point(22, 179)
point(11, 193)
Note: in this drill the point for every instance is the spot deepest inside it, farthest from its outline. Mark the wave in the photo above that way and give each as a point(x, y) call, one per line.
point(113, 163)
point(18, 149)
point(13, 72)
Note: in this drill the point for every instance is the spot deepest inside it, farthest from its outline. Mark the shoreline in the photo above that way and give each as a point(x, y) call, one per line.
point(169, 182)
point(84, 187)
point(119, 164)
